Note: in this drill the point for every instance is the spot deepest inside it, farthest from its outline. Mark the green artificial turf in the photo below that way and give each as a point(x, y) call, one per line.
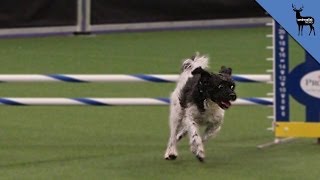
point(129, 142)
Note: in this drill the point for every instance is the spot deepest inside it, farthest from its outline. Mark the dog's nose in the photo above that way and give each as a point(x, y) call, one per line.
point(233, 96)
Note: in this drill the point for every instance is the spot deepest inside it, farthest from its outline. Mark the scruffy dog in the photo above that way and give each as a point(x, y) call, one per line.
point(199, 98)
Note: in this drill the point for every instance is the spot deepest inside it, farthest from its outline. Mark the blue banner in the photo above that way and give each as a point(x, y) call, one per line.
point(300, 18)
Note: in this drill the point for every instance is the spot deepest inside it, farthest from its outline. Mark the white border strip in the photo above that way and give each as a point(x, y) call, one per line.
point(180, 24)
point(29, 31)
point(37, 30)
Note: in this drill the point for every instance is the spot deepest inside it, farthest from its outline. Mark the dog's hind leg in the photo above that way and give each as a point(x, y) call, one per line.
point(174, 122)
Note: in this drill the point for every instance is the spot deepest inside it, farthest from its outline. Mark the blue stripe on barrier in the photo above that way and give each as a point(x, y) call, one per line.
point(254, 100)
point(150, 78)
point(242, 79)
point(65, 78)
point(258, 101)
point(166, 100)
point(91, 102)
point(10, 102)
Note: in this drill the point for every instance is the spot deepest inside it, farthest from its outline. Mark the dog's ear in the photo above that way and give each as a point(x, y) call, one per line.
point(225, 70)
point(204, 76)
point(200, 71)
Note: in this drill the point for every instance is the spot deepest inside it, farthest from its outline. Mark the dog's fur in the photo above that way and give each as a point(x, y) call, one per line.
point(199, 98)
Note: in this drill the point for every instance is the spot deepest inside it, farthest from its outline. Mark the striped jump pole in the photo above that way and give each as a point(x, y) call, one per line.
point(114, 101)
point(81, 78)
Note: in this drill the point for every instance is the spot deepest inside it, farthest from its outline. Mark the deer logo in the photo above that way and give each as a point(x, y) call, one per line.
point(303, 21)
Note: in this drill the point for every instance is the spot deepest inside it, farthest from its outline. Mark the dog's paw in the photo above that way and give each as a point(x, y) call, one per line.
point(201, 159)
point(199, 153)
point(200, 156)
point(171, 154)
point(171, 157)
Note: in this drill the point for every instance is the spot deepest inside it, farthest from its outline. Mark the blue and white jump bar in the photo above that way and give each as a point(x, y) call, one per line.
point(80, 78)
point(113, 101)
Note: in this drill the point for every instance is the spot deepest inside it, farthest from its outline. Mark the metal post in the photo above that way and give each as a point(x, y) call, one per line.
point(83, 17)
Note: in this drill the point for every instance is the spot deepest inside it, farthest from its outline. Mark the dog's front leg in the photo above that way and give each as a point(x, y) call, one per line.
point(182, 132)
point(213, 126)
point(211, 131)
point(195, 141)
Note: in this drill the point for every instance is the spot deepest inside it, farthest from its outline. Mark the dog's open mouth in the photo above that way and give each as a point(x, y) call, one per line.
point(224, 104)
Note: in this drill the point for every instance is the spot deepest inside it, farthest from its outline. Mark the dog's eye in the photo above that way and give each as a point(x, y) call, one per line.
point(220, 86)
point(232, 87)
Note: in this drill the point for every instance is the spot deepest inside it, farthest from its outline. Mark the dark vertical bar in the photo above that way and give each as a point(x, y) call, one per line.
point(281, 71)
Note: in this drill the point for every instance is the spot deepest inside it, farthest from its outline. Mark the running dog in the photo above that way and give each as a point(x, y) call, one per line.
point(200, 98)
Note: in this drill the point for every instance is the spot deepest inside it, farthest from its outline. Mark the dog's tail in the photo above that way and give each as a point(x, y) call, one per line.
point(194, 62)
point(188, 66)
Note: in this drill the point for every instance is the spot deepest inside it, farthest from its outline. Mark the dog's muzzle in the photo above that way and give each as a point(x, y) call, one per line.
point(233, 96)
point(226, 104)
